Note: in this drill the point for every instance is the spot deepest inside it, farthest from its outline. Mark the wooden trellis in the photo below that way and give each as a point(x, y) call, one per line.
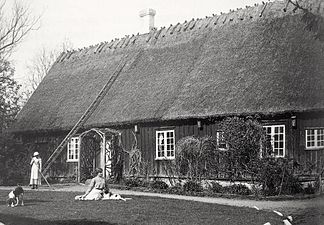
point(97, 150)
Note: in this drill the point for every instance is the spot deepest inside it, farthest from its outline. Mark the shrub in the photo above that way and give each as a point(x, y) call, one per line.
point(243, 137)
point(317, 184)
point(256, 190)
point(196, 157)
point(145, 183)
point(176, 189)
point(277, 177)
point(310, 189)
point(292, 185)
point(192, 186)
point(14, 161)
point(158, 184)
point(239, 189)
point(216, 187)
point(133, 182)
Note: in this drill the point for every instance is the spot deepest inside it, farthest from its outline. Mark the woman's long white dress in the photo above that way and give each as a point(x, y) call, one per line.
point(96, 189)
point(36, 166)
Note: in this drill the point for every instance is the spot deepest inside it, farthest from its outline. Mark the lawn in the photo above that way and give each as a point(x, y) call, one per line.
point(49, 207)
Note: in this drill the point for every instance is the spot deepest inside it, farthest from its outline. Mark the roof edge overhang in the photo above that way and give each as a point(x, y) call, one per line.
point(151, 120)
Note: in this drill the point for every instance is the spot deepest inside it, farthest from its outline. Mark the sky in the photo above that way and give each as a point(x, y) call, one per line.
point(88, 22)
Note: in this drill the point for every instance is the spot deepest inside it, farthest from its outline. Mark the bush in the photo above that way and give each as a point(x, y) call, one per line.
point(14, 161)
point(176, 189)
point(239, 189)
point(277, 177)
point(197, 157)
point(243, 137)
point(133, 182)
point(192, 186)
point(310, 189)
point(215, 187)
point(292, 186)
point(158, 184)
point(256, 190)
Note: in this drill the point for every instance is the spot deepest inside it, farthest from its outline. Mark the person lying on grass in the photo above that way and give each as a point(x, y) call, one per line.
point(96, 188)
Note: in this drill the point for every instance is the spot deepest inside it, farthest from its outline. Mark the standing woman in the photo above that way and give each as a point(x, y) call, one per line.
point(36, 167)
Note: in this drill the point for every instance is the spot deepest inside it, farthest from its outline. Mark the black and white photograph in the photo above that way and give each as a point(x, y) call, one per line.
point(162, 112)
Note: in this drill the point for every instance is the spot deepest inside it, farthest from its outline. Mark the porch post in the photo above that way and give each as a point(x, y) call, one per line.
point(103, 155)
point(79, 160)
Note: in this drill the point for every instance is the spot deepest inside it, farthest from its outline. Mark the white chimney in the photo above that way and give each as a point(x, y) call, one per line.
point(147, 20)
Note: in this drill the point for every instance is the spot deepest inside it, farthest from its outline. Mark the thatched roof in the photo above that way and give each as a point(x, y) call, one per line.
point(254, 60)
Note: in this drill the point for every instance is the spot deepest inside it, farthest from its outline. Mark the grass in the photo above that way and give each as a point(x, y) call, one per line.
point(49, 207)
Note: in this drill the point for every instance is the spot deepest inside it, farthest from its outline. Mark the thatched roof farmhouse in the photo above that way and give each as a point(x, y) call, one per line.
point(257, 60)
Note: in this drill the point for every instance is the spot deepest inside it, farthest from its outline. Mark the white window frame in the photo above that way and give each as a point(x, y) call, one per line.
point(73, 150)
point(163, 142)
point(272, 135)
point(318, 138)
point(219, 136)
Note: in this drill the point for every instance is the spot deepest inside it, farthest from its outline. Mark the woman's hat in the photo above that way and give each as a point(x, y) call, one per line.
point(36, 153)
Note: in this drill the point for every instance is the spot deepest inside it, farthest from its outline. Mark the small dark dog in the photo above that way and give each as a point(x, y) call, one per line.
point(15, 196)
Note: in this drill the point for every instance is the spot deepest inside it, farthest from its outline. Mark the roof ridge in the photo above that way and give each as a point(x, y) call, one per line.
point(151, 38)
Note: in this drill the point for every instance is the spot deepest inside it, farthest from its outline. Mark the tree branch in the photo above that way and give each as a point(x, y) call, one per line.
point(14, 28)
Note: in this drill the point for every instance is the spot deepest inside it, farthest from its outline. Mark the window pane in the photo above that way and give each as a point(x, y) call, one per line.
point(314, 138)
point(276, 136)
point(281, 145)
point(165, 143)
point(276, 130)
point(73, 149)
point(281, 137)
point(281, 130)
point(320, 137)
point(280, 152)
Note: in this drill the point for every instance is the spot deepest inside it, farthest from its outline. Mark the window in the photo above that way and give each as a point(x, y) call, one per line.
point(221, 144)
point(73, 148)
point(165, 144)
point(276, 135)
point(314, 138)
